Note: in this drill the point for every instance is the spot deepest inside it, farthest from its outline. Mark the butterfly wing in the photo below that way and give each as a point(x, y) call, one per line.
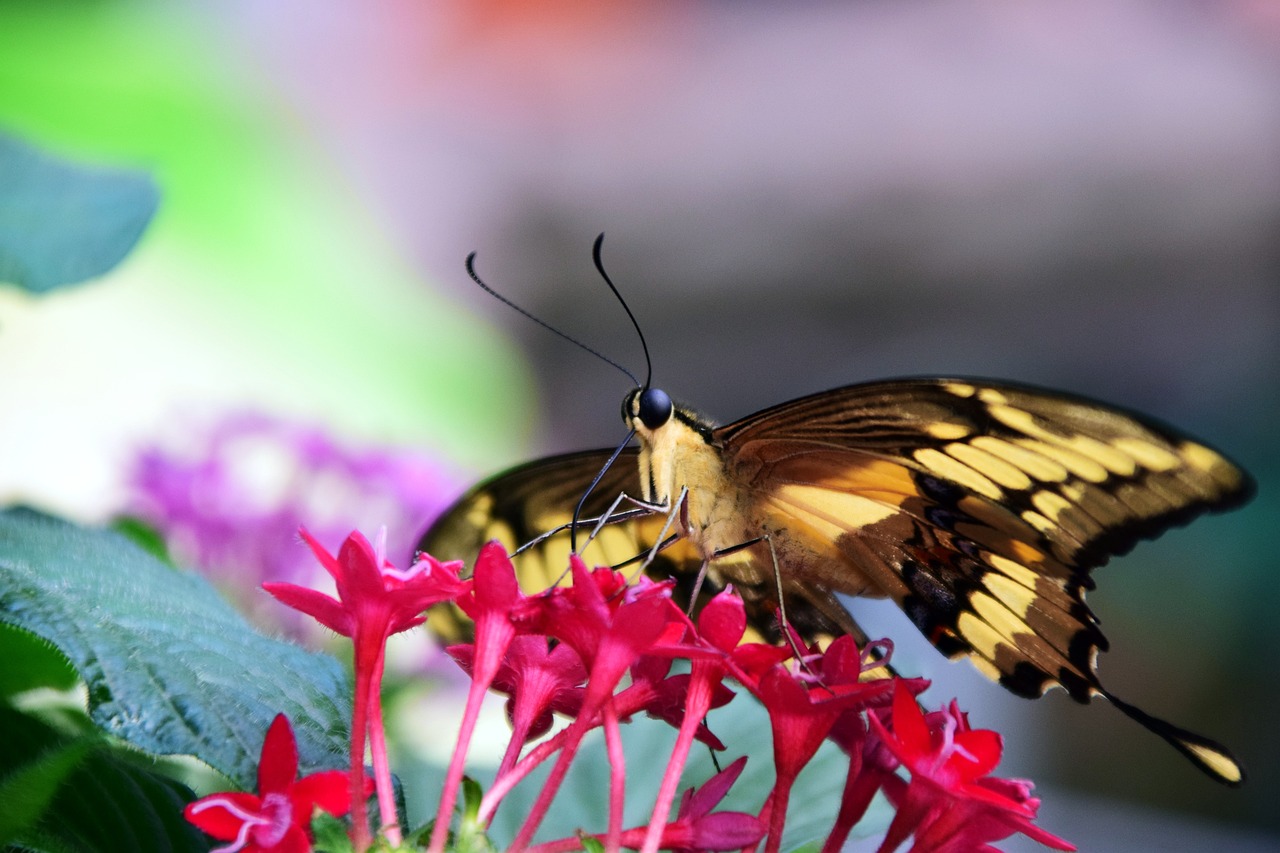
point(980, 509)
point(522, 504)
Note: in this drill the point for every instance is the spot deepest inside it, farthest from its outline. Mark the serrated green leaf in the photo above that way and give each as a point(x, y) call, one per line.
point(30, 662)
point(62, 223)
point(169, 666)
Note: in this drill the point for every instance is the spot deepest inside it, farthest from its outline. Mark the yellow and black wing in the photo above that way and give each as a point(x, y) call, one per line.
point(518, 506)
point(980, 508)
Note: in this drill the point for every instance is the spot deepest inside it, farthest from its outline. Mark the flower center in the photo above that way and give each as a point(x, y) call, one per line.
point(277, 816)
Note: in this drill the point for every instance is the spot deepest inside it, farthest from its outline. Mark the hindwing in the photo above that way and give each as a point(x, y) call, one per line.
point(536, 498)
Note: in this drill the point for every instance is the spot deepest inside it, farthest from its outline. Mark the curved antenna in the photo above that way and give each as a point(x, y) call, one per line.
point(595, 256)
point(577, 510)
point(471, 271)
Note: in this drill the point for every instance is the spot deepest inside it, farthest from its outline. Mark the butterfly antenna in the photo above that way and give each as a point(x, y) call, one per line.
point(595, 256)
point(471, 271)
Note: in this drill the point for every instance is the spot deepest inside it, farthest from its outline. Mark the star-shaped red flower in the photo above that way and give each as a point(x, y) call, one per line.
point(278, 818)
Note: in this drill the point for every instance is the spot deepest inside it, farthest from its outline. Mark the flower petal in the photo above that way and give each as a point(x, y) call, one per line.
point(317, 605)
point(329, 790)
point(279, 763)
point(222, 815)
point(909, 726)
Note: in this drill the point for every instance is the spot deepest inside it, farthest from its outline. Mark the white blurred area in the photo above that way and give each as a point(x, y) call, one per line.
point(1083, 195)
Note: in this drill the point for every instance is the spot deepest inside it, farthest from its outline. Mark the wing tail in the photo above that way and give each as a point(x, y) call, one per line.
point(1211, 757)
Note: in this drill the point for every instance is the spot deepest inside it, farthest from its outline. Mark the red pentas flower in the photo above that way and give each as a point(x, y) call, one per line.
point(539, 680)
point(375, 600)
point(697, 828)
point(950, 804)
point(278, 818)
point(372, 594)
point(802, 712)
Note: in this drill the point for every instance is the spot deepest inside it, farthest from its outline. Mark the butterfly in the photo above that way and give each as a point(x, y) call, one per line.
point(979, 507)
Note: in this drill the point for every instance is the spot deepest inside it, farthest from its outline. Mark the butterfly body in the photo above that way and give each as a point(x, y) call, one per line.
point(980, 508)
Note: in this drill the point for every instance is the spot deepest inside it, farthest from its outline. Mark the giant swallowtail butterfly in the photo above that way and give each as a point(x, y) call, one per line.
point(979, 507)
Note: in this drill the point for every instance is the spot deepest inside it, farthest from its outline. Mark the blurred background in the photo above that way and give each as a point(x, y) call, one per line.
point(1081, 195)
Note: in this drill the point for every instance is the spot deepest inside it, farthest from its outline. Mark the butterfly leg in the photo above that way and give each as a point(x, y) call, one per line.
point(642, 508)
point(680, 508)
point(785, 625)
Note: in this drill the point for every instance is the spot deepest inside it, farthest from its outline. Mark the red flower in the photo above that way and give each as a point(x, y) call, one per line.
point(372, 594)
point(697, 828)
point(950, 804)
point(375, 600)
point(278, 817)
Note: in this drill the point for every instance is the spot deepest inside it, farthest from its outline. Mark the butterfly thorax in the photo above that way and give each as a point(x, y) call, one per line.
point(681, 455)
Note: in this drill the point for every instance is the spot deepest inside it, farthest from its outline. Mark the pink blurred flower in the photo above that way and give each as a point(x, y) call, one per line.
point(230, 500)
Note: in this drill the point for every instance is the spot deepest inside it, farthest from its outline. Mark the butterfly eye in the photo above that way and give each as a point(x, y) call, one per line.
point(655, 408)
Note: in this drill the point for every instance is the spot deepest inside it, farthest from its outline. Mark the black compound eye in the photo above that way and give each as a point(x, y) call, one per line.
point(655, 408)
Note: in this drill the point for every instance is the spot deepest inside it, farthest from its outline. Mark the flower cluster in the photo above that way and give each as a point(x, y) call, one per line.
point(600, 652)
point(230, 498)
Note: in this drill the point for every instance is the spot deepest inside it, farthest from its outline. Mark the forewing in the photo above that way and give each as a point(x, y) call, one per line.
point(520, 505)
point(980, 508)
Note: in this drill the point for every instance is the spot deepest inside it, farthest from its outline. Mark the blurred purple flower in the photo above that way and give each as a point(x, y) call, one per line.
point(230, 500)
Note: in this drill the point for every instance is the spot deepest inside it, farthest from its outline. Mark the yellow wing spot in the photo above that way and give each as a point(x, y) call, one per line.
point(1040, 467)
point(1051, 504)
point(992, 397)
point(1025, 552)
point(1111, 458)
point(1202, 458)
point(980, 635)
point(1148, 455)
point(502, 532)
point(985, 667)
point(998, 617)
point(1014, 570)
point(1017, 418)
point(1080, 466)
point(1014, 595)
point(1009, 476)
point(1067, 451)
point(480, 511)
point(945, 466)
point(947, 430)
point(1039, 522)
point(838, 509)
point(1223, 765)
point(960, 389)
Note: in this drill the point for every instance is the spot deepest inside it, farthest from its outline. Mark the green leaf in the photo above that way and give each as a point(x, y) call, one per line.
point(79, 794)
point(41, 763)
point(330, 834)
point(30, 662)
point(62, 223)
point(169, 666)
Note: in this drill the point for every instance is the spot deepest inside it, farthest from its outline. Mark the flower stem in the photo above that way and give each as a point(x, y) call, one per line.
point(367, 652)
point(617, 777)
point(697, 702)
point(381, 766)
point(457, 765)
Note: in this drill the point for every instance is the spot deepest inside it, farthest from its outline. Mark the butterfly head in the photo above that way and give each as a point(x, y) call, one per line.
point(647, 409)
